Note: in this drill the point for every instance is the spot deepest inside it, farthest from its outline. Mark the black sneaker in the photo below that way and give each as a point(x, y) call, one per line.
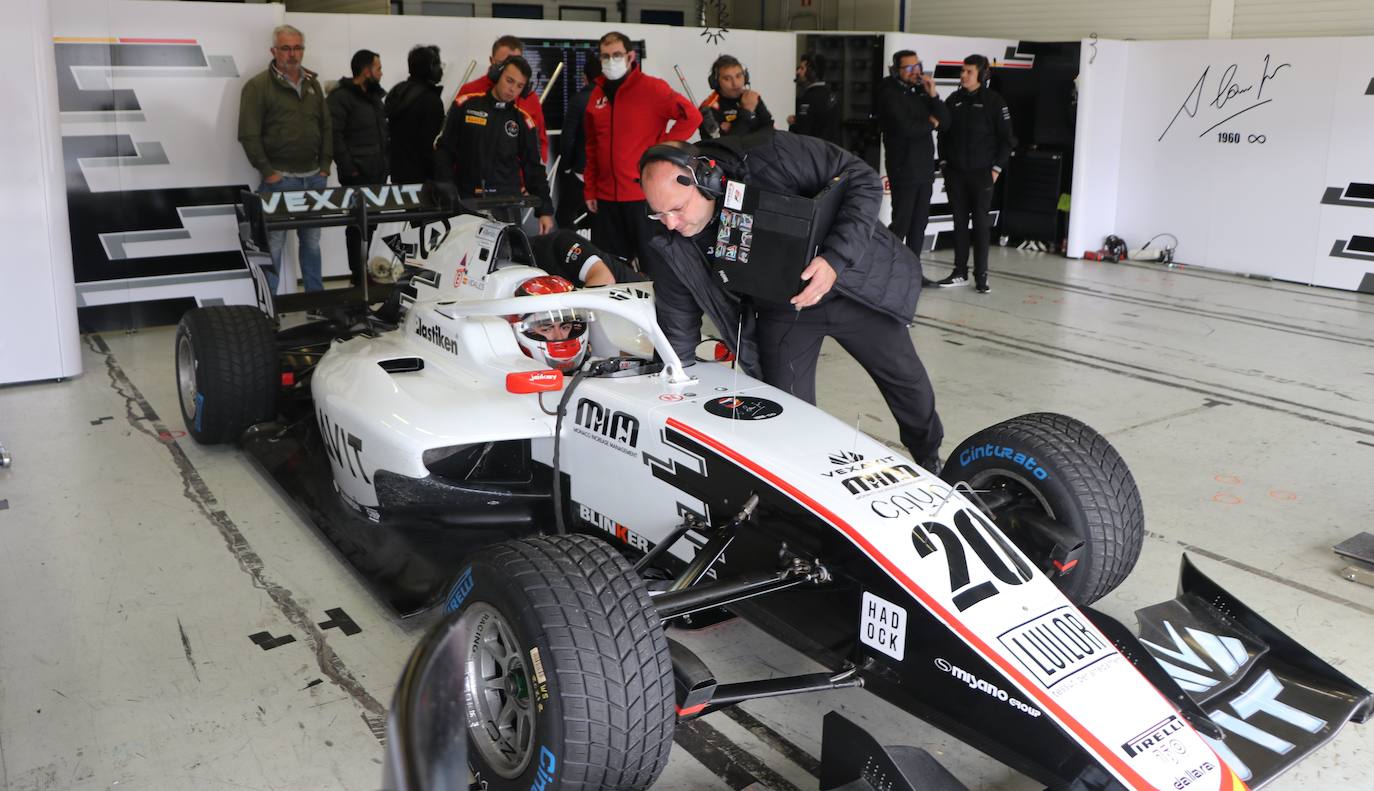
point(927, 282)
point(953, 281)
point(984, 288)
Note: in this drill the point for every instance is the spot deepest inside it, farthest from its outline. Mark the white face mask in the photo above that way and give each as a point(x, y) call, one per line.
point(615, 68)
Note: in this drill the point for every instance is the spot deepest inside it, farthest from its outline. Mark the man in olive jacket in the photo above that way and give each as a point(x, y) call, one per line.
point(861, 289)
point(358, 115)
point(285, 130)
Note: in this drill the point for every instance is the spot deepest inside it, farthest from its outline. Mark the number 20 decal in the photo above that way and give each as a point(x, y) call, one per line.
point(953, 541)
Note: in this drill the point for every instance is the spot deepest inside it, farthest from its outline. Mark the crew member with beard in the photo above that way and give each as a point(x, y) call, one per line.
point(736, 108)
point(360, 136)
point(627, 112)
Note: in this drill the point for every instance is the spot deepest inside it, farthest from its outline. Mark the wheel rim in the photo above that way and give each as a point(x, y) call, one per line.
point(186, 377)
point(500, 711)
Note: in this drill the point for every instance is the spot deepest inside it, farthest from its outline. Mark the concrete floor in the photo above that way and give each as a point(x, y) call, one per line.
point(135, 564)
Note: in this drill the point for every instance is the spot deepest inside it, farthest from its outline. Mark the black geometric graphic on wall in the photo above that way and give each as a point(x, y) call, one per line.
point(1360, 248)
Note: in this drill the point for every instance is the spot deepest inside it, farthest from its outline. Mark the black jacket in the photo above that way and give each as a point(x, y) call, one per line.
point(904, 113)
point(818, 113)
point(360, 132)
point(490, 147)
point(874, 268)
point(572, 138)
point(415, 115)
point(564, 253)
point(740, 121)
point(979, 131)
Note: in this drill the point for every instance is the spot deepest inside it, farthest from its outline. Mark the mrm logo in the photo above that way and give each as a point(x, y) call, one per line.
point(436, 336)
point(614, 428)
point(881, 478)
point(345, 448)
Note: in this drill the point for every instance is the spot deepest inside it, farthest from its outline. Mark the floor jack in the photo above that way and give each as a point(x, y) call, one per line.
point(1359, 550)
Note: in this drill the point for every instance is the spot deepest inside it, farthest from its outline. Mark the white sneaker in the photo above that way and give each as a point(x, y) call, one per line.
point(953, 281)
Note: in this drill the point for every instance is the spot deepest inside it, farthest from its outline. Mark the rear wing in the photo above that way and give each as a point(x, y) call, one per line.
point(362, 206)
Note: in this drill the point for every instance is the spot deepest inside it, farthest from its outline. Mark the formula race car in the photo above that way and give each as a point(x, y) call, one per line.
point(538, 463)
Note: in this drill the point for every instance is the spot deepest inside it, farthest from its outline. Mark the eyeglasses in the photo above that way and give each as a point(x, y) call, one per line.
point(300, 48)
point(660, 216)
point(916, 67)
point(607, 58)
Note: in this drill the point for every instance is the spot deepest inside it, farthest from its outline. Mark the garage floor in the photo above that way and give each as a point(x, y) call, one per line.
point(143, 576)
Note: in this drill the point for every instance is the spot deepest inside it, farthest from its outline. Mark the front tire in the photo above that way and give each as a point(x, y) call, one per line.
point(227, 371)
point(569, 682)
point(1054, 483)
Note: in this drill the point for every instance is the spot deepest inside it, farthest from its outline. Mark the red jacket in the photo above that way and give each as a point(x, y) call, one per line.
point(619, 131)
point(529, 104)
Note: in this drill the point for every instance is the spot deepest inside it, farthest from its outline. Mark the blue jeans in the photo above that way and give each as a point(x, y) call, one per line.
point(309, 250)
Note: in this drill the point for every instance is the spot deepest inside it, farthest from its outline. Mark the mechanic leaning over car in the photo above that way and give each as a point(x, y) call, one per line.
point(285, 130)
point(861, 290)
point(489, 143)
point(358, 115)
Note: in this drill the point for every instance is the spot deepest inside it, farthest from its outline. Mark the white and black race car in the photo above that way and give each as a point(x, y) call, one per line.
point(564, 518)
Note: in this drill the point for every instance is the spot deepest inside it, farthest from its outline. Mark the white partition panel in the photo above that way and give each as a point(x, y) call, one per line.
point(38, 333)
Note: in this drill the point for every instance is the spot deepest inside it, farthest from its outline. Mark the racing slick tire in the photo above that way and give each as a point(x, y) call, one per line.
point(1059, 471)
point(569, 681)
point(227, 370)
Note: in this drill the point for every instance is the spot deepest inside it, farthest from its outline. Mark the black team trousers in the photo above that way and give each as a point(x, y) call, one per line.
point(970, 193)
point(910, 213)
point(790, 345)
point(622, 228)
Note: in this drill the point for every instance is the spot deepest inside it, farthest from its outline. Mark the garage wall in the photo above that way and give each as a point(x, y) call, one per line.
point(1060, 20)
point(1253, 152)
point(1270, 18)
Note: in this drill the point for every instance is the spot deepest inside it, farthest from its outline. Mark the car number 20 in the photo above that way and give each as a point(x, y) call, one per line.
point(971, 532)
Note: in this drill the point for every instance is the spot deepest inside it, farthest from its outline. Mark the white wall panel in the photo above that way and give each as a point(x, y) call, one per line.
point(1061, 20)
point(1102, 86)
point(1272, 18)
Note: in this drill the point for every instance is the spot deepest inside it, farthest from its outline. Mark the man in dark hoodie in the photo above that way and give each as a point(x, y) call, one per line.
point(818, 111)
point(415, 116)
point(359, 117)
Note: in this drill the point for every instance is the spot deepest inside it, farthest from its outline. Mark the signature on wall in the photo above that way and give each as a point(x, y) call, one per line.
point(1232, 95)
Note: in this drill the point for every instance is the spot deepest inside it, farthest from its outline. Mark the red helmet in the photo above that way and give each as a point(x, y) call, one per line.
point(551, 336)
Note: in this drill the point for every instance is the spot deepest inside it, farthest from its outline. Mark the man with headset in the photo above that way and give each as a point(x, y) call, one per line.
point(736, 108)
point(818, 111)
point(501, 49)
point(490, 145)
point(861, 290)
point(975, 147)
point(908, 110)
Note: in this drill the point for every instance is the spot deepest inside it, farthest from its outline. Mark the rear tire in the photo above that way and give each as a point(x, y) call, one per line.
point(1045, 465)
point(227, 370)
point(570, 685)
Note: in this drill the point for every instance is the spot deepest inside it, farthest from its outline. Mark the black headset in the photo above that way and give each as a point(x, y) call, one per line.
point(494, 73)
point(982, 64)
point(713, 79)
point(895, 69)
point(707, 175)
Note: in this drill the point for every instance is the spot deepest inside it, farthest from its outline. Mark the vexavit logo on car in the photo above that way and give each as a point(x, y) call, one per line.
point(436, 336)
point(461, 589)
point(1055, 646)
point(990, 451)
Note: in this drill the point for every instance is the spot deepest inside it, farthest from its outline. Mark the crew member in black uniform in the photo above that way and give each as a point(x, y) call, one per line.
point(818, 111)
point(975, 148)
point(736, 108)
point(861, 289)
point(568, 255)
point(489, 143)
point(908, 110)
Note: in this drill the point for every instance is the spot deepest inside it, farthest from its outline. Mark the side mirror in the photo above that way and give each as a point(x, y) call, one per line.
point(522, 382)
